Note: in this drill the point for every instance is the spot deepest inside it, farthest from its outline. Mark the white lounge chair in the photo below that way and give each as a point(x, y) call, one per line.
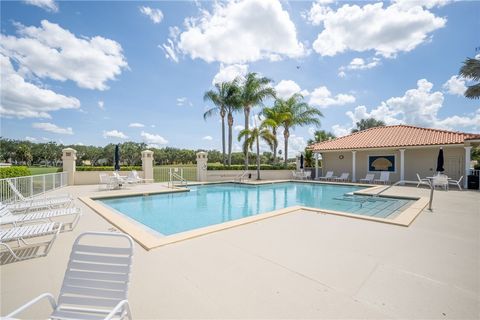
point(422, 181)
point(328, 176)
point(368, 178)
point(133, 177)
point(7, 217)
point(95, 285)
point(343, 177)
point(455, 182)
point(27, 204)
point(24, 249)
point(384, 177)
point(106, 181)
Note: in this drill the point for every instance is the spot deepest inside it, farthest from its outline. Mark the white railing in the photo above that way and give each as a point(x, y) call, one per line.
point(176, 176)
point(241, 176)
point(162, 174)
point(30, 186)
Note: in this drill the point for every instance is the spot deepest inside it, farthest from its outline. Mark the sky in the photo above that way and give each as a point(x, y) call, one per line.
point(99, 72)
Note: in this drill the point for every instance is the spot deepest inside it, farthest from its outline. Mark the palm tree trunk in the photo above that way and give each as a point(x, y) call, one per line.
point(275, 145)
point(258, 159)
point(246, 110)
point(286, 134)
point(224, 160)
point(230, 138)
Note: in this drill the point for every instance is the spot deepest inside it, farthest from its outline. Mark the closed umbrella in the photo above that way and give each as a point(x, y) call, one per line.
point(117, 158)
point(301, 161)
point(440, 161)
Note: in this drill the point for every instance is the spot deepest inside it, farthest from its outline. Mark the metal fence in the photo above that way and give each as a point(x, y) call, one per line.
point(30, 186)
point(162, 174)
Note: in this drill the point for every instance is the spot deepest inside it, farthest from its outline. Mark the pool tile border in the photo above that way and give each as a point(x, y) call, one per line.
point(149, 240)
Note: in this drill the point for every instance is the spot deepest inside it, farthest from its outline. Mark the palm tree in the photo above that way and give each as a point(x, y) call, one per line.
point(273, 120)
point(296, 113)
point(365, 124)
point(254, 91)
point(254, 136)
point(220, 98)
point(232, 105)
point(471, 70)
point(321, 135)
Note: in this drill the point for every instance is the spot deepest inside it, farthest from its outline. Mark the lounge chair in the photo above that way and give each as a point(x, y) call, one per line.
point(7, 217)
point(384, 177)
point(95, 285)
point(106, 181)
point(27, 204)
point(368, 178)
point(328, 176)
point(343, 177)
point(133, 177)
point(455, 182)
point(423, 181)
point(19, 234)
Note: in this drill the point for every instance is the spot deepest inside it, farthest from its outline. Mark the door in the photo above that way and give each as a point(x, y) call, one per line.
point(453, 168)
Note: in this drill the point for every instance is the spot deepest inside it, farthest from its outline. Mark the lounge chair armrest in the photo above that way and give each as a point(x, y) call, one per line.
point(122, 305)
point(27, 305)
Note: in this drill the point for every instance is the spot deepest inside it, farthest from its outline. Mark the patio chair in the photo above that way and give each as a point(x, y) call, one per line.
point(456, 182)
point(7, 217)
point(422, 181)
point(384, 177)
point(95, 285)
point(295, 174)
point(27, 204)
point(343, 177)
point(440, 180)
point(328, 176)
point(368, 178)
point(307, 175)
point(133, 177)
point(106, 181)
point(19, 234)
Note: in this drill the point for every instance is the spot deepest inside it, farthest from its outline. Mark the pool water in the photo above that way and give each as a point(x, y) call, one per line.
point(206, 205)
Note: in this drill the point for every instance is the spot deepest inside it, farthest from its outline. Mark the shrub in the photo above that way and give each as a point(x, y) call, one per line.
point(14, 171)
point(218, 166)
point(108, 168)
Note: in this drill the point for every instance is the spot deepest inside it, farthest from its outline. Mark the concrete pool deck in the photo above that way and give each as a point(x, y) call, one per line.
point(297, 265)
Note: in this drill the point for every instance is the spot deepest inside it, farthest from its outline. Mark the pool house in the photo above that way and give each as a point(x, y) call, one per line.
point(402, 150)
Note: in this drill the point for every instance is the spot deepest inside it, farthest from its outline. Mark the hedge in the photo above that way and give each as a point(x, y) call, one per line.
point(106, 168)
point(14, 171)
point(212, 166)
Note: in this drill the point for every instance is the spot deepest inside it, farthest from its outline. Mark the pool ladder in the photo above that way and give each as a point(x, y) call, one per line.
point(175, 177)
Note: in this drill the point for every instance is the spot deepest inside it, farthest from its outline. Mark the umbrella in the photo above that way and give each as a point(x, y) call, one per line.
point(440, 161)
point(117, 158)
point(301, 161)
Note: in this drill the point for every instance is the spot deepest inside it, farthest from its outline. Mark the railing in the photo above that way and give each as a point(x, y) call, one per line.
point(241, 176)
point(176, 176)
point(402, 182)
point(30, 186)
point(162, 174)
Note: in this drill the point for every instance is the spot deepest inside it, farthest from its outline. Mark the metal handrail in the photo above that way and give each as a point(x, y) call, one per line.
point(432, 189)
point(171, 182)
point(241, 176)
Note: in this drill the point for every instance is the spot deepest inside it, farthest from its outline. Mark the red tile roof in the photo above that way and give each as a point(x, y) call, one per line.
point(393, 137)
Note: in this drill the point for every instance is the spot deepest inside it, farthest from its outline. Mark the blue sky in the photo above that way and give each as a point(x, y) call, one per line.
point(100, 72)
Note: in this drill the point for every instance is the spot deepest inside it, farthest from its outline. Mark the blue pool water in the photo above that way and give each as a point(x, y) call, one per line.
point(207, 205)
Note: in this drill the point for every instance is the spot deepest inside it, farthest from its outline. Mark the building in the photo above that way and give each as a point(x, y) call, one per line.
point(402, 150)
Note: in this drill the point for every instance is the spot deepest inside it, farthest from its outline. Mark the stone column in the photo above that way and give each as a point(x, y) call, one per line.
point(402, 165)
point(354, 166)
point(202, 159)
point(467, 166)
point(147, 164)
point(69, 156)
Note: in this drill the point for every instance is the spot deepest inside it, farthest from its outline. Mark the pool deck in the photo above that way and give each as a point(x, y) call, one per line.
point(297, 265)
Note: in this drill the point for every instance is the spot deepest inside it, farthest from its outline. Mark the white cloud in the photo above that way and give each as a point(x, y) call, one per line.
point(455, 85)
point(136, 125)
point(230, 72)
point(238, 127)
point(50, 127)
point(22, 99)
point(31, 139)
point(49, 5)
point(101, 105)
point(358, 64)
point(183, 101)
point(296, 144)
point(153, 139)
point(208, 138)
point(114, 134)
point(322, 97)
point(318, 12)
point(286, 88)
point(387, 31)
point(50, 51)
point(240, 32)
point(170, 50)
point(340, 131)
point(429, 4)
point(155, 15)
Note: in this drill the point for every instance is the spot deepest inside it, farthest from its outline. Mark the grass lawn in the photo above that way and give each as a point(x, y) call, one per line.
point(42, 170)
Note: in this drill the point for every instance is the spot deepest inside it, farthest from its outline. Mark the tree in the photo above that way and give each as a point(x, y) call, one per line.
point(273, 119)
point(23, 154)
point(471, 70)
point(321, 135)
point(253, 136)
point(296, 112)
point(253, 91)
point(365, 124)
point(218, 97)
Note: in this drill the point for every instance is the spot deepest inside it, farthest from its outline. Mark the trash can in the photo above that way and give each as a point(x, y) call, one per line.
point(473, 182)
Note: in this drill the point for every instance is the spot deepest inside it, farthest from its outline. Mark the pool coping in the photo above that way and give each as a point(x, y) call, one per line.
point(149, 240)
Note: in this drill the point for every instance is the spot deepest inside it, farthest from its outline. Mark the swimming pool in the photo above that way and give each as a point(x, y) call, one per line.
point(206, 205)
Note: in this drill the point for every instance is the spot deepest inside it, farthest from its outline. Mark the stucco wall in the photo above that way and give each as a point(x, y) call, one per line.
point(219, 175)
point(93, 177)
point(417, 160)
